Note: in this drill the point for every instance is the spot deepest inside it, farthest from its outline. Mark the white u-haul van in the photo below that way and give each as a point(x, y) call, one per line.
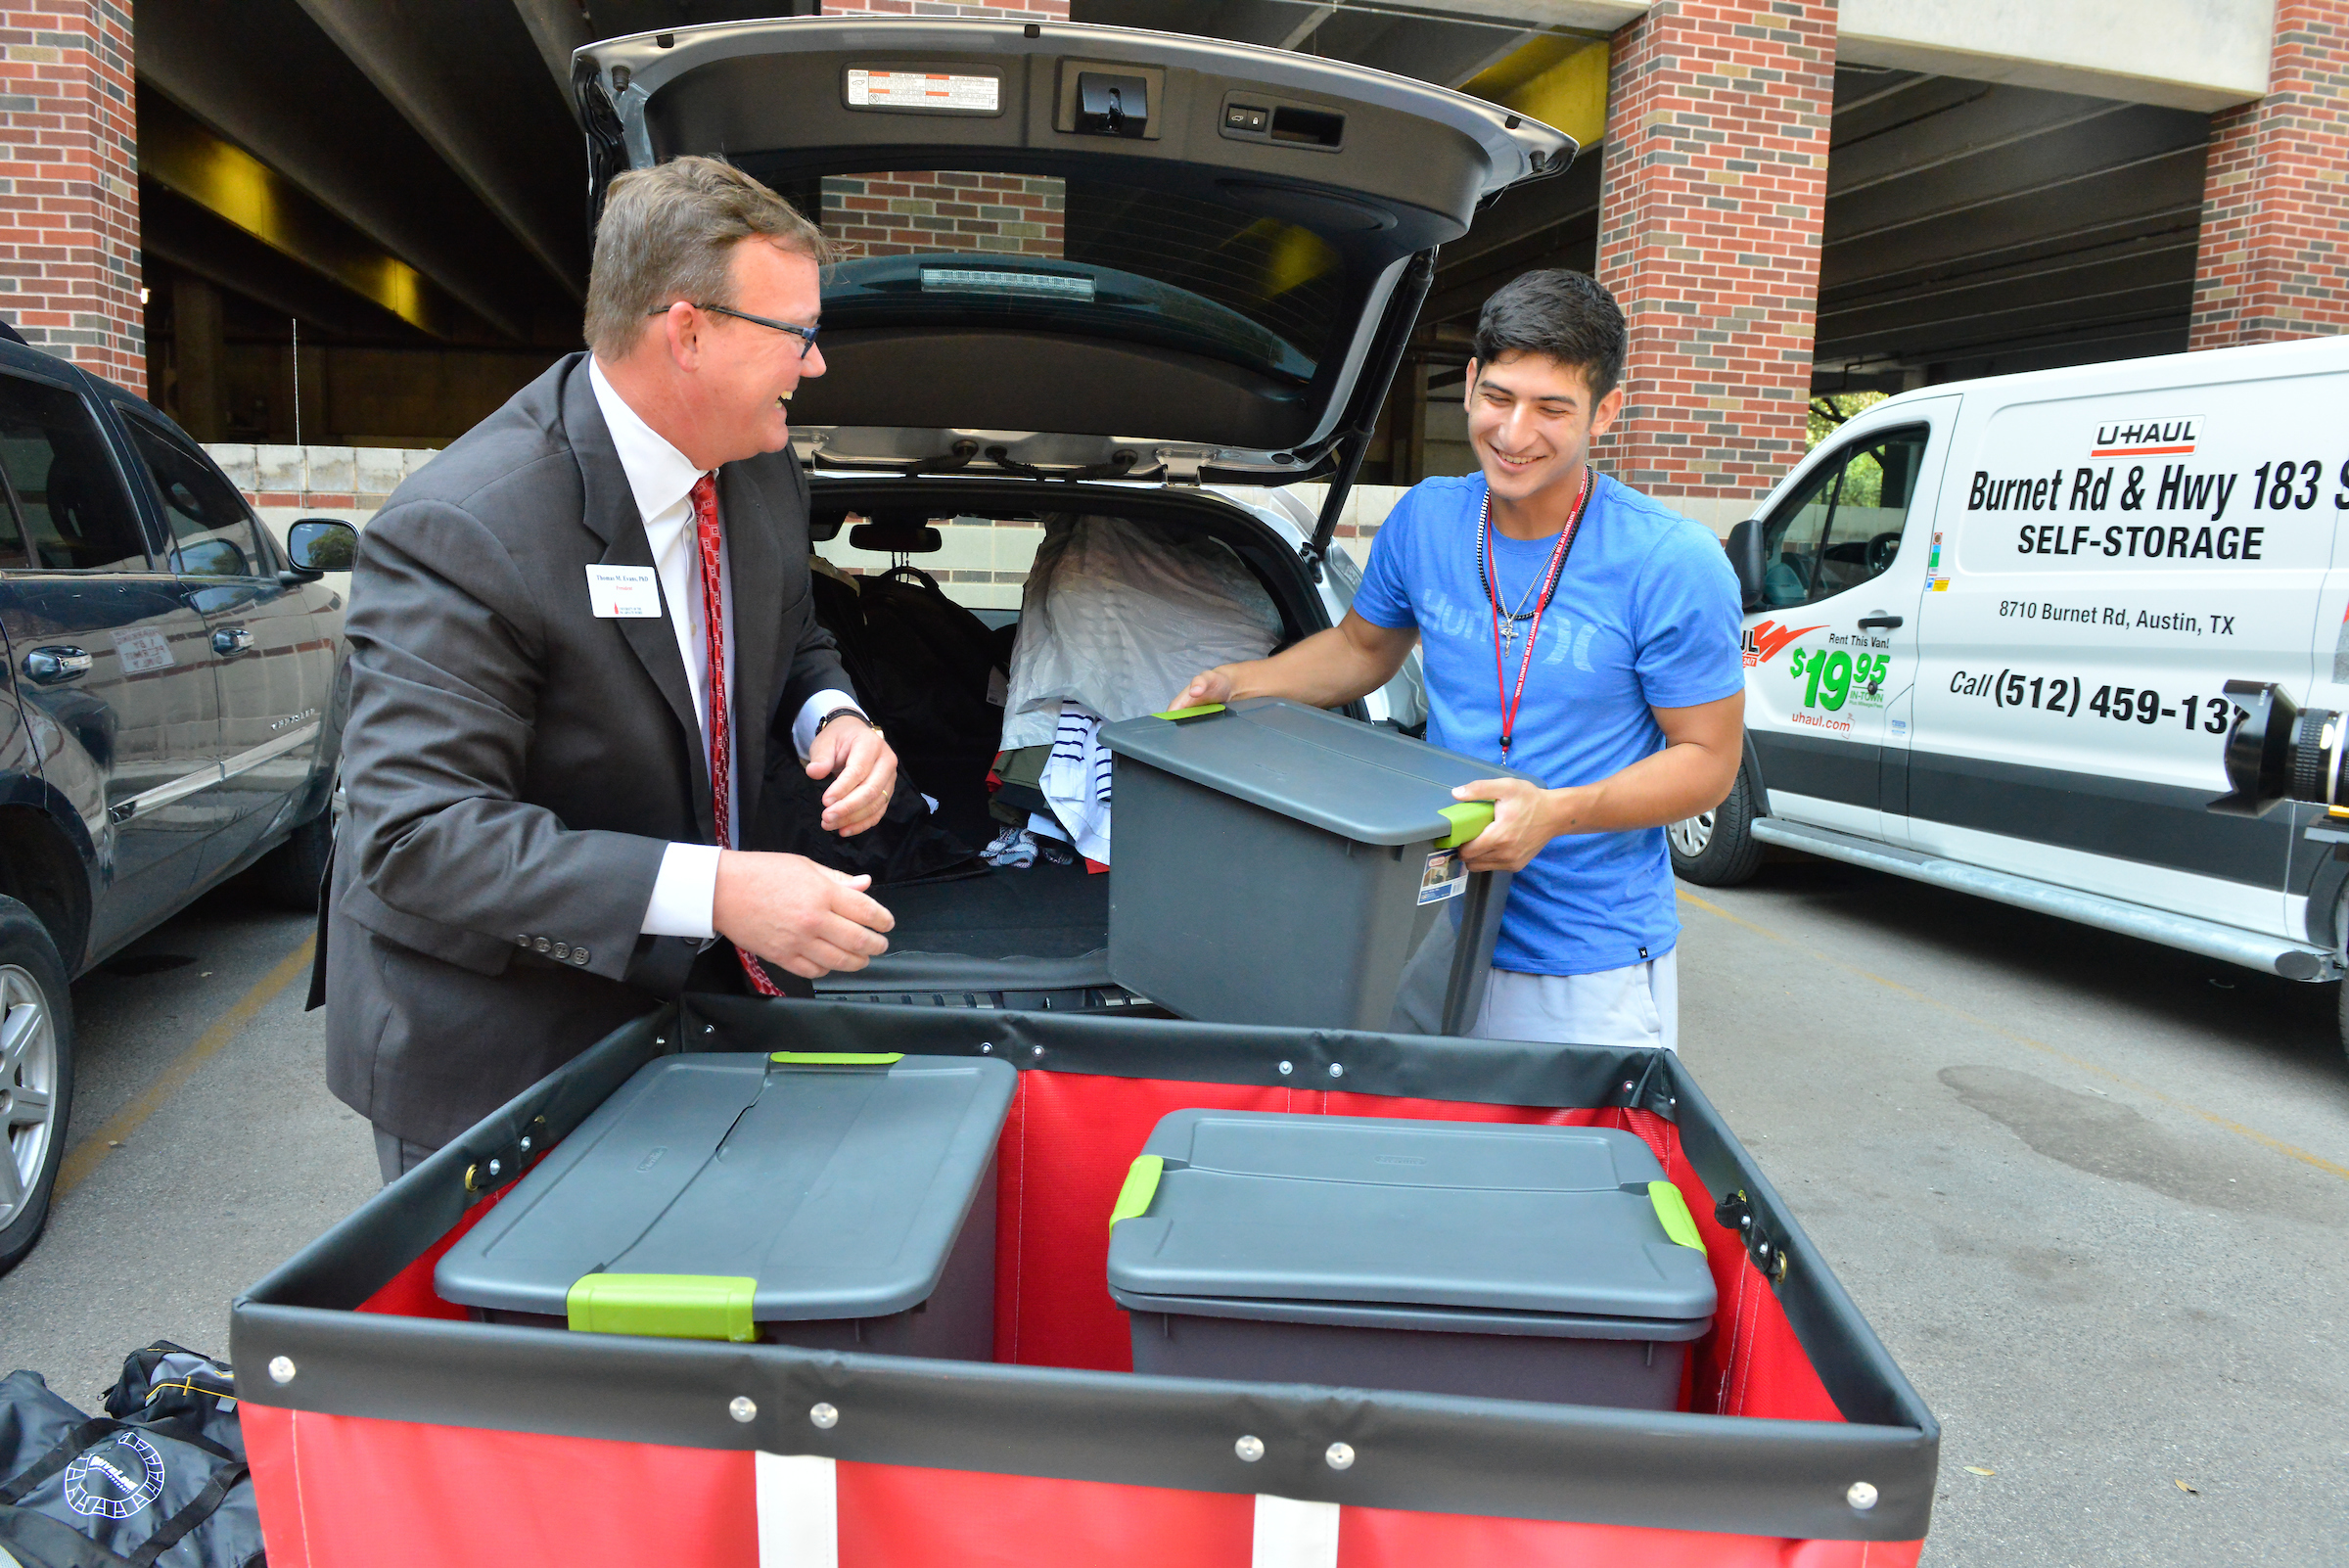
point(1988, 630)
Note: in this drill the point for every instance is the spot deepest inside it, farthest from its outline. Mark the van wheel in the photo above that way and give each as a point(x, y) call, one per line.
point(1717, 848)
point(37, 1076)
point(291, 873)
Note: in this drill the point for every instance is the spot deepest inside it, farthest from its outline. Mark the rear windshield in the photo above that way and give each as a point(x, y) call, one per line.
point(971, 247)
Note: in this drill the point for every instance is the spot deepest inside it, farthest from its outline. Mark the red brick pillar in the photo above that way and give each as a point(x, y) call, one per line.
point(1714, 186)
point(2274, 257)
point(69, 185)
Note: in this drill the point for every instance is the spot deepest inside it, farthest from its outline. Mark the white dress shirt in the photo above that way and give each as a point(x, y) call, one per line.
point(662, 479)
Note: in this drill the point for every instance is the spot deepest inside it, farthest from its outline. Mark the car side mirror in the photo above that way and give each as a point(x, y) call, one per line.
point(317, 545)
point(1744, 545)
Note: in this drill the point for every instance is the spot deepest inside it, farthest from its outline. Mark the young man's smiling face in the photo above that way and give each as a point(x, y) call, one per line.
point(1531, 419)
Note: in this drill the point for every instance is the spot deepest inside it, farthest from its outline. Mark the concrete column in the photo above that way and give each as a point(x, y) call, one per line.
point(1715, 187)
point(70, 185)
point(196, 350)
point(2274, 257)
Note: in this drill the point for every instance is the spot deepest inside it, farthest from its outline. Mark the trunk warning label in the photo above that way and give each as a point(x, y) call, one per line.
point(924, 89)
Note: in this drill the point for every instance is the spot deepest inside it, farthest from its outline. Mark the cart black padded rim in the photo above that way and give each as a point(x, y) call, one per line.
point(348, 1354)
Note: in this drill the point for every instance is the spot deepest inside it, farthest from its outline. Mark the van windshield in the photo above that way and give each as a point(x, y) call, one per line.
point(1080, 257)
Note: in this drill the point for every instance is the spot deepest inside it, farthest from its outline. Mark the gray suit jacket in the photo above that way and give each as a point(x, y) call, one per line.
point(516, 765)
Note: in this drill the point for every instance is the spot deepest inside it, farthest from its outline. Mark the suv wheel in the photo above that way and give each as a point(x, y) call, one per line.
point(1717, 848)
point(37, 1076)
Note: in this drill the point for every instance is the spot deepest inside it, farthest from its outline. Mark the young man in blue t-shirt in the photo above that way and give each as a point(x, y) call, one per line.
point(1574, 630)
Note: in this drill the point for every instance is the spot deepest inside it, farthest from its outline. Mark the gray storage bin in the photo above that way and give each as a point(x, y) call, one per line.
point(1279, 864)
point(1527, 1263)
point(837, 1202)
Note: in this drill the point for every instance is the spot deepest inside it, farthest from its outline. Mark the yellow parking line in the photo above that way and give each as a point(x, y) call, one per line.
point(2288, 1150)
point(87, 1155)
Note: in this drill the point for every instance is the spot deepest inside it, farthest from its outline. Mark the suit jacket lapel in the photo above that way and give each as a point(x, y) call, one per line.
point(610, 515)
point(755, 563)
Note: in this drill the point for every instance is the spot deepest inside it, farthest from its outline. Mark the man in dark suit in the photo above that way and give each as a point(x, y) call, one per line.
point(573, 637)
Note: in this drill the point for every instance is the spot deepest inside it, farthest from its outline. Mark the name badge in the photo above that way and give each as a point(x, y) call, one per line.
point(623, 593)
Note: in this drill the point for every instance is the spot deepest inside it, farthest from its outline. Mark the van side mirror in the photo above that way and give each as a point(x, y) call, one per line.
point(1744, 545)
point(317, 545)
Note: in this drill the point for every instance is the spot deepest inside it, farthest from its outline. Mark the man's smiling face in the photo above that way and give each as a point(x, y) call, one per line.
point(1532, 421)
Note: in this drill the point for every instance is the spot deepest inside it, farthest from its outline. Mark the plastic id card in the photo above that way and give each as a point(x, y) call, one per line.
point(1445, 876)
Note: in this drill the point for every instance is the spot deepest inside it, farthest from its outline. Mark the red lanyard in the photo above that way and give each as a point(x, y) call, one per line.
point(1488, 566)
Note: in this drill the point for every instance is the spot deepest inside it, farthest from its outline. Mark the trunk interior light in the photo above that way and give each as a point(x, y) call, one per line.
point(978, 280)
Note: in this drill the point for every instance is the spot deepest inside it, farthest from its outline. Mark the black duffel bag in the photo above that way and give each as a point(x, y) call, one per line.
point(157, 1481)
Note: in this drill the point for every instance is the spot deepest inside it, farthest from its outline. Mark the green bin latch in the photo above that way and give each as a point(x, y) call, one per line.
point(1673, 1209)
point(1468, 818)
point(668, 1306)
point(1141, 1185)
point(1176, 716)
point(837, 1058)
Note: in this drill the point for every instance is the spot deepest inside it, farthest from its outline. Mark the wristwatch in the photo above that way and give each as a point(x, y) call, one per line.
point(840, 713)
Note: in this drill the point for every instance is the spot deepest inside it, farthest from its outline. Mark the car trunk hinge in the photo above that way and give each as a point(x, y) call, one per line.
point(1369, 396)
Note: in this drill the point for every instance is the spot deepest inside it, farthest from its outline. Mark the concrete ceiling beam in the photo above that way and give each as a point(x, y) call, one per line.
point(182, 156)
point(337, 140)
point(448, 66)
point(557, 30)
point(2202, 55)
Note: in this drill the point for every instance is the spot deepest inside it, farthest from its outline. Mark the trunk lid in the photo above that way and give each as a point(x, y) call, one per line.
point(1080, 251)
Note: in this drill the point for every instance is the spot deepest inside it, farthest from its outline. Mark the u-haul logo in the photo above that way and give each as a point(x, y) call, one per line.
point(2146, 438)
point(1764, 640)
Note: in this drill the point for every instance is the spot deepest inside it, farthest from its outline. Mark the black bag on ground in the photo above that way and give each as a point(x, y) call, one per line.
point(157, 1481)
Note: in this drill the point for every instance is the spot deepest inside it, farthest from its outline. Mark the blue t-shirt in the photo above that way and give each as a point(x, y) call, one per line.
point(1645, 616)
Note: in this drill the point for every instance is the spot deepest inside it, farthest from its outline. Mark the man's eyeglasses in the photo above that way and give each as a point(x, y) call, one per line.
point(805, 334)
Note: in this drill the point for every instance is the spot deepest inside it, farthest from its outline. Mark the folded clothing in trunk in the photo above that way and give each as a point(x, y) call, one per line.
point(1119, 615)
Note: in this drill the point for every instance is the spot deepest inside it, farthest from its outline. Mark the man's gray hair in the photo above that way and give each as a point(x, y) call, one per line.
point(668, 233)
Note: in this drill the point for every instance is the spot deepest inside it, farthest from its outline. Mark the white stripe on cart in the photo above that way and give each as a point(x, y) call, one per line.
point(799, 1511)
point(1295, 1534)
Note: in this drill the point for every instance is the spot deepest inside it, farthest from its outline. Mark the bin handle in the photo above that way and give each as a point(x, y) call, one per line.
point(1141, 1185)
point(667, 1305)
point(836, 1058)
point(1673, 1209)
point(1176, 716)
point(1468, 818)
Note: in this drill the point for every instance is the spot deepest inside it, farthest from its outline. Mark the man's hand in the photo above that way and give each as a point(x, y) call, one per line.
point(794, 913)
point(1525, 818)
point(867, 772)
point(1206, 687)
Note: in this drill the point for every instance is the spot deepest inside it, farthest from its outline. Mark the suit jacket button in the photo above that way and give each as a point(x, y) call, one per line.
point(578, 955)
point(541, 944)
point(522, 941)
point(563, 951)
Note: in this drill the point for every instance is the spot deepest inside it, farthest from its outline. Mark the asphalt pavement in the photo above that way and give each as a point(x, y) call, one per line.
point(2091, 1192)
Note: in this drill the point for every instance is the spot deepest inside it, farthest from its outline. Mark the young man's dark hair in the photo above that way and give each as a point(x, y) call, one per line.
point(1567, 315)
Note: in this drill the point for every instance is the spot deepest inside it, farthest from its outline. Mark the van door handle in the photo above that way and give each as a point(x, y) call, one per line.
point(1879, 622)
point(48, 666)
point(229, 641)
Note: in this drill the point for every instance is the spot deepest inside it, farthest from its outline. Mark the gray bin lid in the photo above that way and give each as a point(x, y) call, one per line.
point(1328, 1209)
point(1357, 780)
point(838, 1188)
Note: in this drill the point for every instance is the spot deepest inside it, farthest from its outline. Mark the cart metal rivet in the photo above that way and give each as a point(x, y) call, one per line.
point(825, 1417)
point(1035, 1050)
point(743, 1409)
point(1340, 1455)
point(525, 1145)
point(495, 1166)
point(1335, 1070)
point(1862, 1497)
point(1286, 1067)
point(711, 1029)
point(281, 1368)
point(986, 1047)
point(1249, 1448)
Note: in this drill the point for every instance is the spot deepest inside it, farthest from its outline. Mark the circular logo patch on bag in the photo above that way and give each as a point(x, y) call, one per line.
point(115, 1479)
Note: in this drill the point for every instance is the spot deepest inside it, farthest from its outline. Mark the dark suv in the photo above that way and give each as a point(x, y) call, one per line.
point(169, 716)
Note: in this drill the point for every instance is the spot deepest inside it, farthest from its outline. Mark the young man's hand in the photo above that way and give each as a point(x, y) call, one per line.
point(1206, 687)
point(1525, 818)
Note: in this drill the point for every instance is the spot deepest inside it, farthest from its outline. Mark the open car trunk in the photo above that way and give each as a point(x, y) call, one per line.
point(1036, 937)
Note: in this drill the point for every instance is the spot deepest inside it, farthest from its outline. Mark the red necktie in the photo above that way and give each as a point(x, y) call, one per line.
point(721, 740)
